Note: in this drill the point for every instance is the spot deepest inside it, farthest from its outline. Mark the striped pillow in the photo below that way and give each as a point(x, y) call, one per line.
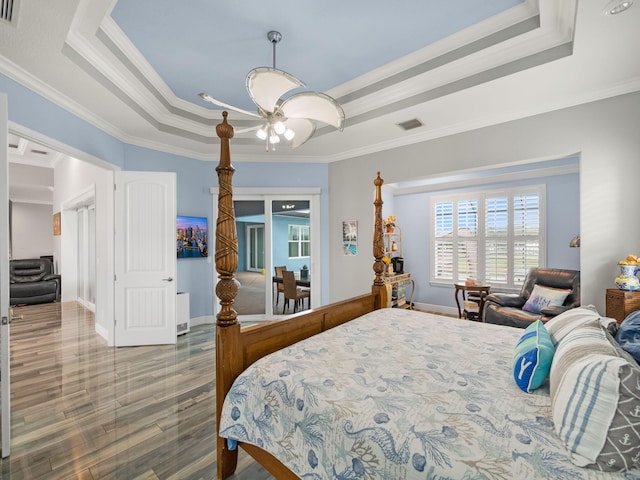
point(532, 357)
point(559, 326)
point(596, 412)
point(589, 337)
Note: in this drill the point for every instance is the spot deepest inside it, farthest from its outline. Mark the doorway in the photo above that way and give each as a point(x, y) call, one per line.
point(274, 227)
point(78, 247)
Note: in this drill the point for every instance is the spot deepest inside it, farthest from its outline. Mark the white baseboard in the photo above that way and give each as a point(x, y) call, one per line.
point(103, 332)
point(203, 320)
point(436, 308)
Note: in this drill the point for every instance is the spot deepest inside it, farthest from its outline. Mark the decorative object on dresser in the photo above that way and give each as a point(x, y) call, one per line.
point(629, 268)
point(620, 303)
point(519, 310)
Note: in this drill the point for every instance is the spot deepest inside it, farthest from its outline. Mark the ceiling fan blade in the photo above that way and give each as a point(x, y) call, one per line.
point(315, 106)
point(208, 98)
point(266, 86)
point(304, 129)
point(245, 130)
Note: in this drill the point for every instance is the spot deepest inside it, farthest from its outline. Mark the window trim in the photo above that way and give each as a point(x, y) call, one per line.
point(481, 196)
point(300, 241)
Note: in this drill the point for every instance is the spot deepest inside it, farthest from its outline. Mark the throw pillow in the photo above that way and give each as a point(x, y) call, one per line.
point(532, 357)
point(563, 324)
point(628, 335)
point(596, 412)
point(588, 337)
point(543, 297)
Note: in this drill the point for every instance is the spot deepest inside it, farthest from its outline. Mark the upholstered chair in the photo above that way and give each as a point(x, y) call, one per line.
point(293, 292)
point(545, 293)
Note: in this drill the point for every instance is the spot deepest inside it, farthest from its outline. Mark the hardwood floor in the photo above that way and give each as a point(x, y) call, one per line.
point(81, 410)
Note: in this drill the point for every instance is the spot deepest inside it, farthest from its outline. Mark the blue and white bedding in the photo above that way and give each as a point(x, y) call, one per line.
point(399, 394)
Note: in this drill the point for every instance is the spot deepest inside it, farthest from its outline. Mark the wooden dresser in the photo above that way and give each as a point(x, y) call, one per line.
point(621, 303)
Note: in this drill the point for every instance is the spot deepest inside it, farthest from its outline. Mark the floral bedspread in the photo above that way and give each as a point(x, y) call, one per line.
point(398, 394)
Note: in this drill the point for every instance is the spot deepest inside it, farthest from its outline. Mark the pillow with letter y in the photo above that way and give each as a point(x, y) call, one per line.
point(532, 357)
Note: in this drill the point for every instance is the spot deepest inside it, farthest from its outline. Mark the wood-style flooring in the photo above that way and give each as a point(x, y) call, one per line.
point(82, 410)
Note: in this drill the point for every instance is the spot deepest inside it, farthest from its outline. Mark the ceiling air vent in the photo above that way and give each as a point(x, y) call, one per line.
point(7, 10)
point(410, 124)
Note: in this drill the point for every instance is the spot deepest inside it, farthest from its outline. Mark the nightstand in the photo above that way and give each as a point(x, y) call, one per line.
point(621, 303)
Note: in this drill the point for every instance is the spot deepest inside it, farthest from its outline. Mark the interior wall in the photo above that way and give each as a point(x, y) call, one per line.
point(195, 179)
point(603, 133)
point(562, 216)
point(31, 230)
point(73, 178)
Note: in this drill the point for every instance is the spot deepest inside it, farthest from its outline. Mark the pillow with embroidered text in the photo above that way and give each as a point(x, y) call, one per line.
point(543, 297)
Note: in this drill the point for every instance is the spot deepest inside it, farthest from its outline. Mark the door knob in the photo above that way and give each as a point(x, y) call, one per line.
point(167, 279)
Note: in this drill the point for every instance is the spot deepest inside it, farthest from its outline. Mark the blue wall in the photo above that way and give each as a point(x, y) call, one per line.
point(563, 223)
point(280, 244)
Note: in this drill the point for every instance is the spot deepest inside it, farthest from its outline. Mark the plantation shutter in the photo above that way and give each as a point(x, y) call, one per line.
point(443, 242)
point(467, 245)
point(526, 232)
point(497, 240)
point(494, 237)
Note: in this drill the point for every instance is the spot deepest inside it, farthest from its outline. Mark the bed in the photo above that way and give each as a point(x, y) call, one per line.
point(349, 404)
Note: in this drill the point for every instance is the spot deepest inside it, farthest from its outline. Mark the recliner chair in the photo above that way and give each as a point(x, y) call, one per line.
point(506, 309)
point(33, 281)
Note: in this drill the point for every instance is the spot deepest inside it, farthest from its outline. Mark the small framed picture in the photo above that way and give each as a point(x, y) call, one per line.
point(350, 237)
point(56, 224)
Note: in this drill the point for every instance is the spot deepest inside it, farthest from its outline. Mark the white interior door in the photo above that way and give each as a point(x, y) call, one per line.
point(5, 365)
point(145, 258)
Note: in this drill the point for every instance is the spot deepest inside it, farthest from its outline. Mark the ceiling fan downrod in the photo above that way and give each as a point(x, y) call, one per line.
point(274, 37)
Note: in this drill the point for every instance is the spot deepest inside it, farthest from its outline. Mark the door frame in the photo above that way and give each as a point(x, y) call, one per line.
point(249, 251)
point(5, 357)
point(268, 195)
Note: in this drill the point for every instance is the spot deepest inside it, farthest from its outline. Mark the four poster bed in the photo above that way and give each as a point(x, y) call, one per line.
point(380, 393)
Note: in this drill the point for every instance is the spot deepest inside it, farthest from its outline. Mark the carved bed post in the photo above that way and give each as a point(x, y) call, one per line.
point(228, 350)
point(378, 243)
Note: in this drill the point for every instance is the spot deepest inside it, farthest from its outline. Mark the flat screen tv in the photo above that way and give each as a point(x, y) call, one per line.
point(191, 237)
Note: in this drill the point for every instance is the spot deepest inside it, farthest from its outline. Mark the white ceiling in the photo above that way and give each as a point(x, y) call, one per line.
point(133, 67)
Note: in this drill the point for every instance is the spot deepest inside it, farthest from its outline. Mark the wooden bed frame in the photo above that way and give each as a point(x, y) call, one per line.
point(237, 348)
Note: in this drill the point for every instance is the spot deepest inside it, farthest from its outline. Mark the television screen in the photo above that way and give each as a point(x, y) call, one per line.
point(191, 238)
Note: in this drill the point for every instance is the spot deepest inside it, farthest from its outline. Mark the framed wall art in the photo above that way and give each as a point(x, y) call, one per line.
point(350, 237)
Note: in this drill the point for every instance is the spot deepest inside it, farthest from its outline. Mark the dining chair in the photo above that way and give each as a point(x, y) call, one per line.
point(293, 292)
point(279, 285)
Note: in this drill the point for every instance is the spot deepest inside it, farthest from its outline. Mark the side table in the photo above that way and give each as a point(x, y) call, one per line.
point(621, 303)
point(481, 290)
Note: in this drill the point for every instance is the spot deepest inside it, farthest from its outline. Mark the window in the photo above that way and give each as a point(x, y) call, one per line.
point(299, 243)
point(494, 236)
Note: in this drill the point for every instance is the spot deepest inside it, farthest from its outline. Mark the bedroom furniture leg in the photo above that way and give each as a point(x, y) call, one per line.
point(378, 286)
point(228, 350)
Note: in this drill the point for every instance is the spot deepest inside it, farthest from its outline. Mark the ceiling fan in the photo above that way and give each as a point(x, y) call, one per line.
point(292, 119)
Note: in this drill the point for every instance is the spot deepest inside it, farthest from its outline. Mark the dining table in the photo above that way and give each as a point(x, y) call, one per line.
point(299, 282)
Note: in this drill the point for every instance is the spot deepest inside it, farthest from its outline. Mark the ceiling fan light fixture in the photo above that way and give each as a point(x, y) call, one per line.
point(262, 133)
point(273, 139)
point(615, 7)
point(293, 117)
point(279, 127)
